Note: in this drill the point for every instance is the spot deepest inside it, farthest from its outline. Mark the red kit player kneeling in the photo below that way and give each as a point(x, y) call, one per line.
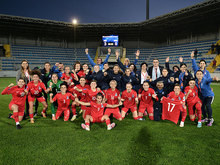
point(129, 96)
point(97, 111)
point(63, 101)
point(17, 104)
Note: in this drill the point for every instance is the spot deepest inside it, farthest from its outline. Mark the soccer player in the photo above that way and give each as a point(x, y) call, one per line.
point(69, 77)
point(192, 99)
point(113, 97)
point(207, 96)
point(54, 87)
point(85, 71)
point(34, 90)
point(82, 96)
point(63, 100)
point(146, 95)
point(177, 95)
point(17, 104)
point(130, 99)
point(97, 110)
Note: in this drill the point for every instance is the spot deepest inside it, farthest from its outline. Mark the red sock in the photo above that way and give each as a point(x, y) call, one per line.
point(44, 111)
point(15, 114)
point(184, 115)
point(199, 112)
point(73, 109)
point(135, 118)
point(151, 117)
point(123, 117)
point(107, 122)
point(139, 117)
point(87, 124)
point(193, 119)
point(31, 115)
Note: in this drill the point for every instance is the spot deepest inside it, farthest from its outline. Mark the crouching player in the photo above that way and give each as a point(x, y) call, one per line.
point(177, 95)
point(17, 104)
point(97, 111)
point(193, 100)
point(129, 97)
point(34, 89)
point(63, 101)
point(113, 97)
point(146, 95)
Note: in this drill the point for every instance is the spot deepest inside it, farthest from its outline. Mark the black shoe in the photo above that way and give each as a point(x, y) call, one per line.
point(18, 126)
point(9, 115)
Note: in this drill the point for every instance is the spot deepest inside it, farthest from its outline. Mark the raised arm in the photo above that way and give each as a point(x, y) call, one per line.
point(194, 66)
point(7, 89)
point(119, 61)
point(89, 58)
point(82, 103)
point(137, 57)
point(107, 57)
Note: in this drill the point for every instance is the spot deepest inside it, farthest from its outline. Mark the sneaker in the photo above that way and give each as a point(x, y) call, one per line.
point(212, 120)
point(181, 124)
point(18, 126)
point(9, 115)
point(32, 121)
point(35, 114)
point(43, 114)
point(204, 120)
point(209, 124)
point(141, 119)
point(73, 118)
point(199, 125)
point(113, 125)
point(53, 118)
point(85, 127)
point(109, 127)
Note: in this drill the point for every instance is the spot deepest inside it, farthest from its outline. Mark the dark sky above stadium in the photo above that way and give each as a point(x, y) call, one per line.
point(92, 11)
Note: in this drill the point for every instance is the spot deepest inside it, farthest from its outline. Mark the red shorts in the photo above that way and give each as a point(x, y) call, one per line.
point(97, 119)
point(143, 107)
point(87, 111)
point(40, 99)
point(133, 109)
point(83, 107)
point(190, 108)
point(66, 113)
point(115, 111)
point(21, 108)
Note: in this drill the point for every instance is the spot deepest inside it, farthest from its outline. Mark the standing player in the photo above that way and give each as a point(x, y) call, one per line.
point(97, 110)
point(193, 100)
point(17, 104)
point(177, 95)
point(34, 89)
point(69, 77)
point(146, 95)
point(129, 97)
point(63, 100)
point(207, 96)
point(113, 96)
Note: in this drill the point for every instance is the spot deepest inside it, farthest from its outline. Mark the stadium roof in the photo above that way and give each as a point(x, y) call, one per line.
point(200, 18)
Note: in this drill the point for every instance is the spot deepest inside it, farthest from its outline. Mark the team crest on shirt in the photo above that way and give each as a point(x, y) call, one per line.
point(149, 94)
point(116, 94)
point(39, 88)
point(102, 105)
point(179, 98)
point(22, 94)
point(132, 96)
point(67, 97)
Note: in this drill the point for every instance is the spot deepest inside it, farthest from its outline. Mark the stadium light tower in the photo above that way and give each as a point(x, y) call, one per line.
point(147, 9)
point(74, 22)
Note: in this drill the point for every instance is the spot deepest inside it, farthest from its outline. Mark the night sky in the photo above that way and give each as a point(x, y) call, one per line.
point(92, 11)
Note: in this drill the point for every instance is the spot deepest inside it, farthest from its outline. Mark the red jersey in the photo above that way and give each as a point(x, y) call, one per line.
point(70, 77)
point(82, 95)
point(91, 95)
point(35, 90)
point(18, 94)
point(63, 100)
point(171, 109)
point(146, 96)
point(97, 110)
point(129, 98)
point(81, 73)
point(173, 97)
point(193, 96)
point(112, 96)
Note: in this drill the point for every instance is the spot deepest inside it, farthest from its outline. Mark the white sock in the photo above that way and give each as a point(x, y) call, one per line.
point(53, 115)
point(17, 123)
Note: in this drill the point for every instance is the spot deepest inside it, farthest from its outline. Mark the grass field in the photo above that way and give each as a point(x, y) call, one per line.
point(131, 142)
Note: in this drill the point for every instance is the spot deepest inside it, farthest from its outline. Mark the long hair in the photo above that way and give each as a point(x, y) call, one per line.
point(22, 69)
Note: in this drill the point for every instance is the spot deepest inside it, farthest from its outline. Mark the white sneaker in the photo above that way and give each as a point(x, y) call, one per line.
point(181, 124)
point(109, 127)
point(85, 127)
point(73, 118)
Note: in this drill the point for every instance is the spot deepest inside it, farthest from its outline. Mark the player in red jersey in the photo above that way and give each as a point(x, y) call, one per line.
point(97, 111)
point(90, 95)
point(82, 96)
point(193, 100)
point(69, 77)
point(146, 96)
point(17, 104)
point(85, 70)
point(129, 97)
point(177, 95)
point(63, 101)
point(34, 90)
point(113, 97)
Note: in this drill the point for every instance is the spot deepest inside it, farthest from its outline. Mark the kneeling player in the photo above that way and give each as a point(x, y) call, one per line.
point(193, 100)
point(129, 96)
point(63, 100)
point(17, 104)
point(97, 110)
point(113, 96)
point(146, 95)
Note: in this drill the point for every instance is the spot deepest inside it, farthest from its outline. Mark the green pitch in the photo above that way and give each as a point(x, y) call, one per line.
point(131, 142)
